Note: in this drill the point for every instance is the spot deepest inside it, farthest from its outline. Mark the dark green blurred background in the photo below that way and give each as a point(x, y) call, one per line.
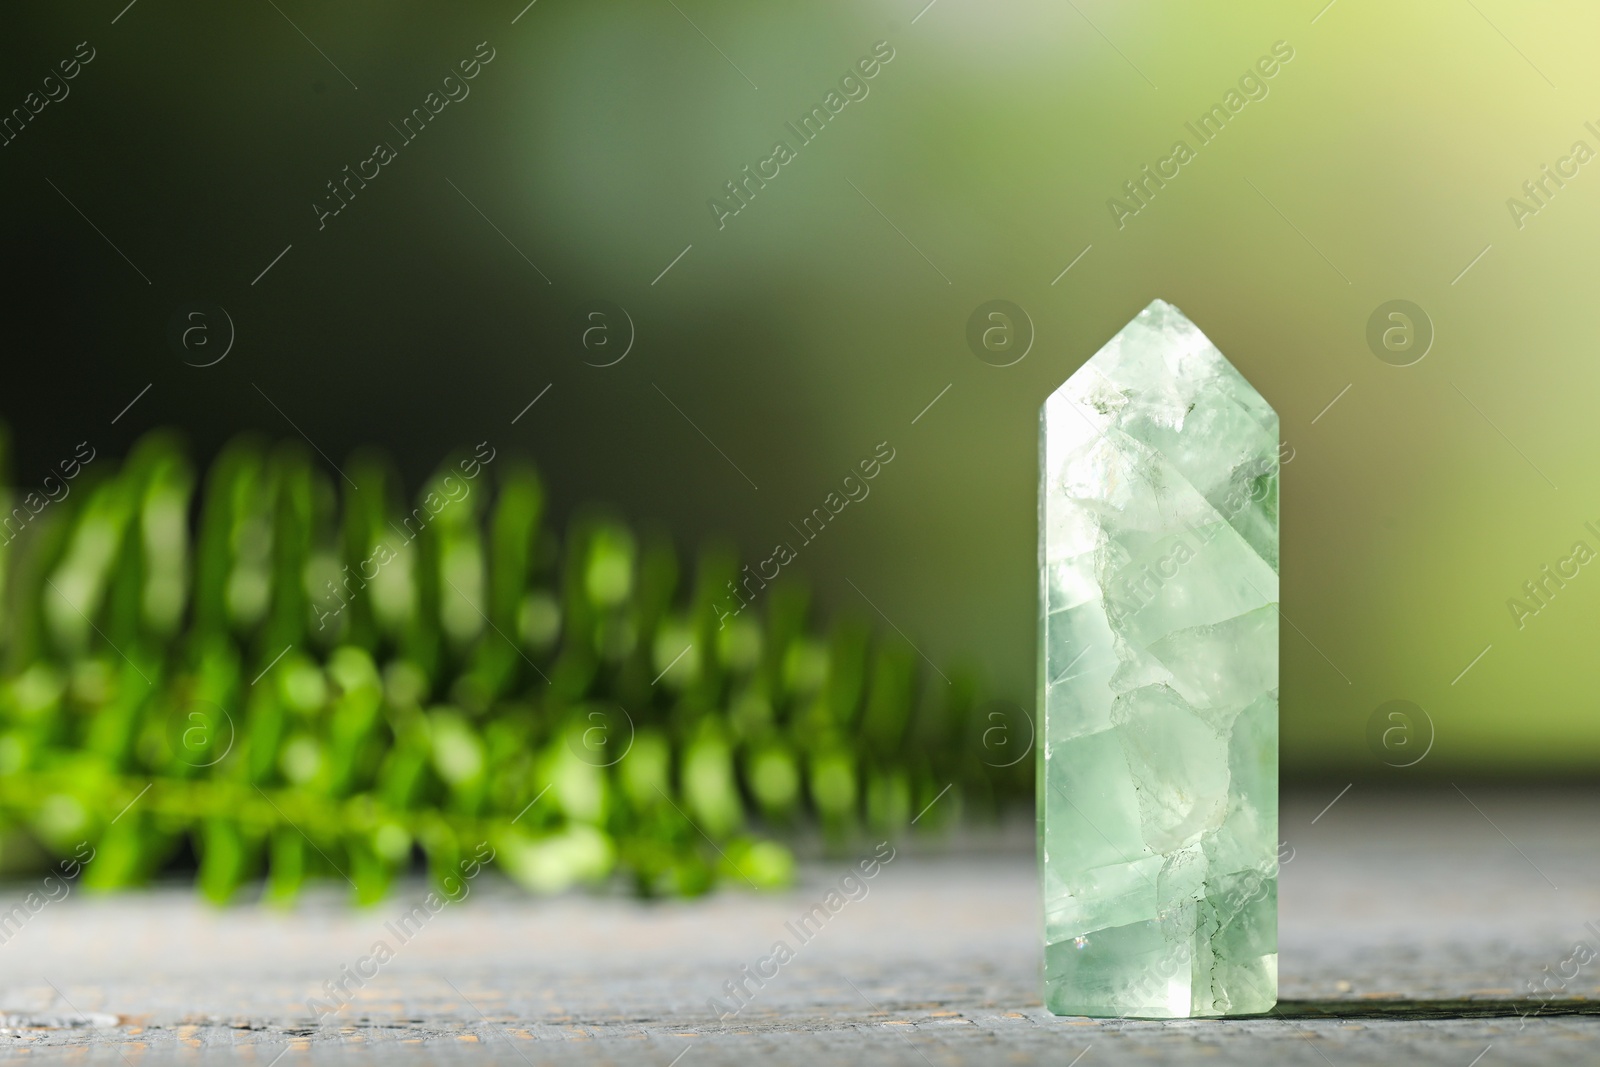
point(827, 315)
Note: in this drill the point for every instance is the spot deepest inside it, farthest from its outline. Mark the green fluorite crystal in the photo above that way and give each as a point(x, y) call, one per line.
point(1158, 680)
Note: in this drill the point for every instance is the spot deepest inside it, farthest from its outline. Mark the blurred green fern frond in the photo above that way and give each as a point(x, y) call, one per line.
point(276, 675)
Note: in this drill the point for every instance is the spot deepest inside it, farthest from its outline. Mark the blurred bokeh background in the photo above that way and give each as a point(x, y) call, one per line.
point(773, 351)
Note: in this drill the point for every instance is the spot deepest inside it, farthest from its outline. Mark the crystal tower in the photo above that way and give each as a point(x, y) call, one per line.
point(1158, 680)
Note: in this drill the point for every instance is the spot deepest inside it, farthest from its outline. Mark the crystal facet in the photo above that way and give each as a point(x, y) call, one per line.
point(1158, 680)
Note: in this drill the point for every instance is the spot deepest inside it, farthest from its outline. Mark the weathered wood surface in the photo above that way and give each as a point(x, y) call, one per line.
point(1411, 925)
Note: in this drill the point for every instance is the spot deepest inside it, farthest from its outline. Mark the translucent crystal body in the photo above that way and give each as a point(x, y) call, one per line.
point(1158, 681)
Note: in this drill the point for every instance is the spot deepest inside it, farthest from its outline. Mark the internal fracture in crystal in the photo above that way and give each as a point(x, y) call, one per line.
point(1158, 680)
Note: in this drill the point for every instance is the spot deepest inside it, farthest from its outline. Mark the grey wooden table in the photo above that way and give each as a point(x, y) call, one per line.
point(1412, 928)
